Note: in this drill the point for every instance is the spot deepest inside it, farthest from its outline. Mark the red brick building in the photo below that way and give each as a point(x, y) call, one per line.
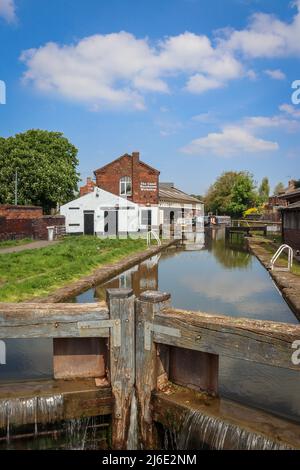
point(88, 187)
point(129, 177)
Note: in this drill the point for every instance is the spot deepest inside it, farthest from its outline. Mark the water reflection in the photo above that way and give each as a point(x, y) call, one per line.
point(140, 278)
point(230, 255)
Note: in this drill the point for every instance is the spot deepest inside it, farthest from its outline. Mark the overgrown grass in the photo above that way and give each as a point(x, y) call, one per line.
point(272, 246)
point(11, 243)
point(32, 273)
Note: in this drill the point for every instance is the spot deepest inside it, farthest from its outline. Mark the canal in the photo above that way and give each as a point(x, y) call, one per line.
point(208, 275)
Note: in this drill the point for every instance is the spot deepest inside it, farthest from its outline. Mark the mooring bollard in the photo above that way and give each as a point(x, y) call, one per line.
point(122, 361)
point(149, 303)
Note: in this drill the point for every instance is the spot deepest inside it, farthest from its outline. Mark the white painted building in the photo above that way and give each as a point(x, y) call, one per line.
point(179, 209)
point(105, 214)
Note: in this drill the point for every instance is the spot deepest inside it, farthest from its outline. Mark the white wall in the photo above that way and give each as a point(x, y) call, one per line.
point(129, 214)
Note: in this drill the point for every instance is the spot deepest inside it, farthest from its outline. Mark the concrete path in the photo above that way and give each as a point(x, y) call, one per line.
point(28, 246)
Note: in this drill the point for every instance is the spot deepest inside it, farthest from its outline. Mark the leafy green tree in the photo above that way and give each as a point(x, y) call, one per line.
point(231, 194)
point(243, 194)
point(46, 166)
point(279, 188)
point(264, 190)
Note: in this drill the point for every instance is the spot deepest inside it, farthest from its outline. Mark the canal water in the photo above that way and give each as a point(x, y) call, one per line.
point(208, 275)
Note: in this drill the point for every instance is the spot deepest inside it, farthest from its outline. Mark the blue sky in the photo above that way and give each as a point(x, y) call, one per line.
point(197, 86)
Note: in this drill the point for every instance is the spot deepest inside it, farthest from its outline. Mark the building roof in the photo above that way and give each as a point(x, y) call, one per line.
point(288, 195)
point(120, 158)
point(294, 205)
point(167, 192)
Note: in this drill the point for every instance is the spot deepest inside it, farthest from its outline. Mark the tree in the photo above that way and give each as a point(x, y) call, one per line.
point(279, 188)
point(197, 196)
point(264, 190)
point(46, 165)
point(231, 194)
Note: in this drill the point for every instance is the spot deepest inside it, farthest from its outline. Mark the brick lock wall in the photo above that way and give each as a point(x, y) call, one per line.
point(108, 178)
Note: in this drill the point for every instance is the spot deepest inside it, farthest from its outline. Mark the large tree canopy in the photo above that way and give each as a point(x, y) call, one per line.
point(46, 166)
point(231, 194)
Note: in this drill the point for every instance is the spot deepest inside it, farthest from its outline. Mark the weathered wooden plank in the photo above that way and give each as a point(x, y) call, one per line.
point(122, 363)
point(259, 341)
point(53, 320)
point(34, 314)
point(56, 330)
point(148, 368)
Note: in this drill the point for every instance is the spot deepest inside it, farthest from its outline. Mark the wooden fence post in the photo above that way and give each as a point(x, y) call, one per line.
point(122, 361)
point(149, 303)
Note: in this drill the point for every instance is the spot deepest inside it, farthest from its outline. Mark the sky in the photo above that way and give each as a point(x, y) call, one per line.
point(198, 87)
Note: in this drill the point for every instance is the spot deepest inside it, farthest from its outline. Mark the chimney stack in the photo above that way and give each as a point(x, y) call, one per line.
point(136, 156)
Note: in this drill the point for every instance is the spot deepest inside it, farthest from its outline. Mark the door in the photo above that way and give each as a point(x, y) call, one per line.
point(89, 223)
point(146, 219)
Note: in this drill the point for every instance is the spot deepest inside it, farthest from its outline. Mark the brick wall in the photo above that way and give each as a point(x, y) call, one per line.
point(14, 229)
point(39, 226)
point(20, 212)
point(144, 178)
point(18, 228)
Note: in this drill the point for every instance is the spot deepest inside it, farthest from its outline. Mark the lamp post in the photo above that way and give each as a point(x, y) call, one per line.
point(16, 188)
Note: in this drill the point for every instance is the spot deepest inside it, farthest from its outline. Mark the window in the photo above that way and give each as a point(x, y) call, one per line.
point(125, 186)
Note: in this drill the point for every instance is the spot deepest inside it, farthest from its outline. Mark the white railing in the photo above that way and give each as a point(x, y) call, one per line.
point(276, 256)
point(155, 236)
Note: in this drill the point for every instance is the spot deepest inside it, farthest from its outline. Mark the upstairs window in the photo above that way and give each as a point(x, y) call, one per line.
point(125, 186)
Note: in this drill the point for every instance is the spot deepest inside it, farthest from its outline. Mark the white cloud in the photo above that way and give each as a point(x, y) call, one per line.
point(200, 83)
point(117, 69)
point(266, 36)
point(8, 10)
point(290, 110)
point(278, 121)
point(205, 118)
point(232, 140)
point(243, 137)
point(276, 74)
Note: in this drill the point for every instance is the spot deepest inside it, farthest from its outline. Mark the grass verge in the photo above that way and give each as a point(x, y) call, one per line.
point(34, 273)
point(271, 247)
